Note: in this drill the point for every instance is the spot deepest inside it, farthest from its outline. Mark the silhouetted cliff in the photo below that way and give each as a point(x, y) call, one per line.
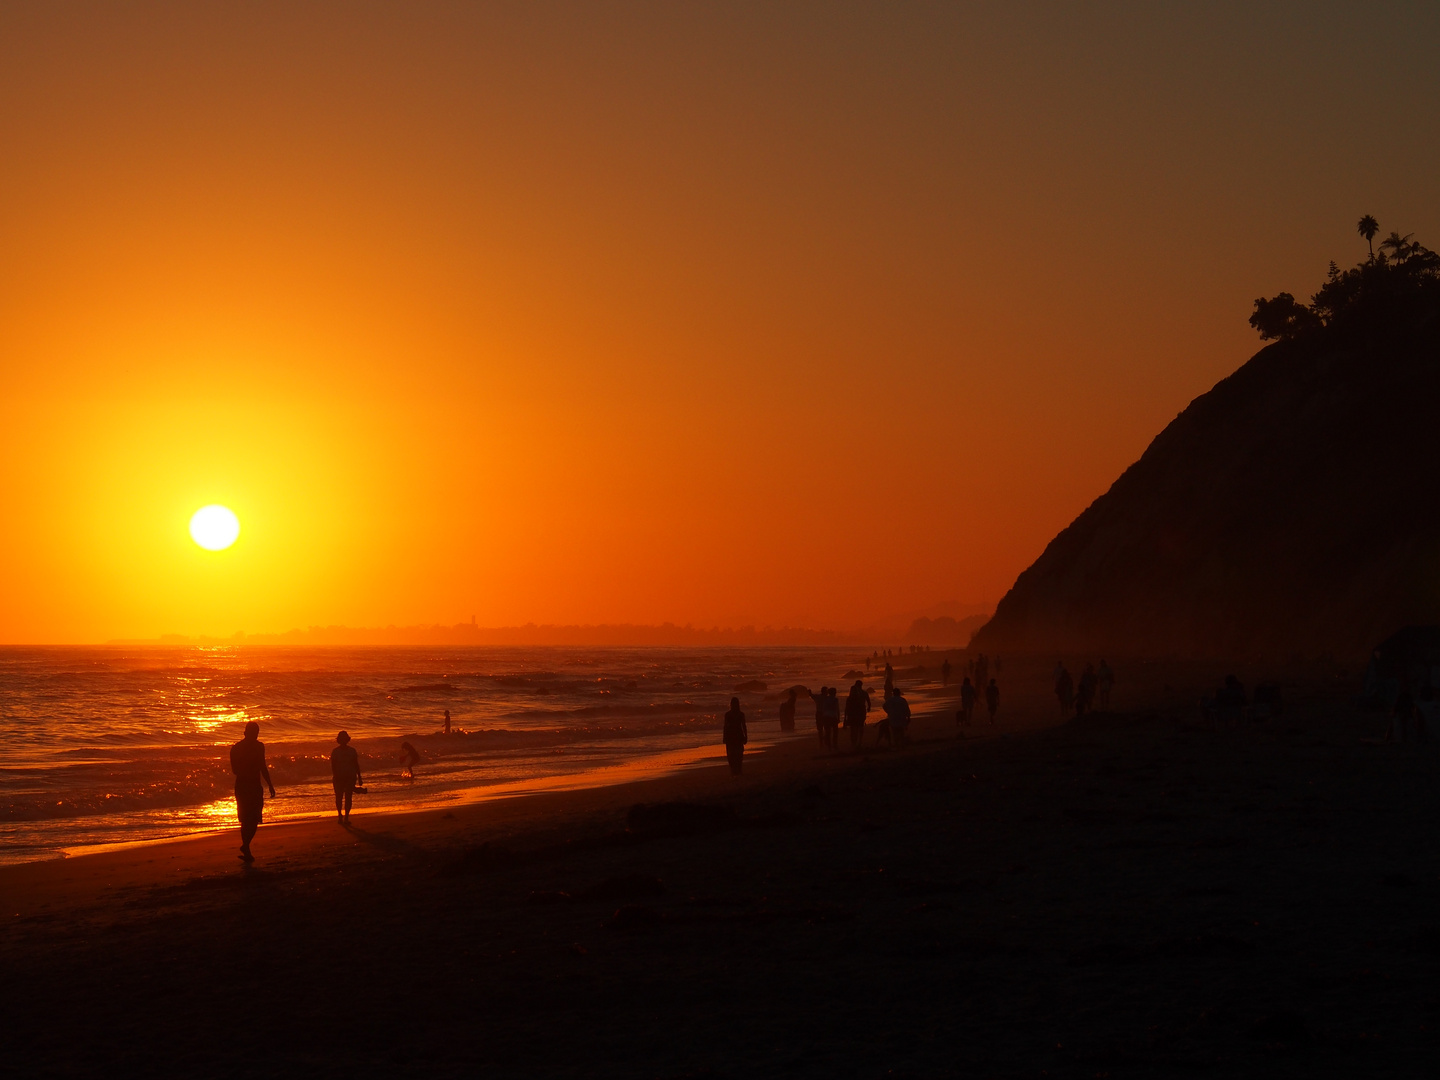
point(1294, 509)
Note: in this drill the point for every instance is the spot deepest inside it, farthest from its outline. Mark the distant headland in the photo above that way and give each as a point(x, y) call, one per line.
point(1290, 512)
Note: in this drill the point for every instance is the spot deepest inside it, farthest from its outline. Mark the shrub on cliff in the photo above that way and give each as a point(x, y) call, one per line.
point(1400, 284)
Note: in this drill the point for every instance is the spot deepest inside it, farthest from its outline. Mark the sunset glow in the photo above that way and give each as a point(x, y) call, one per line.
point(816, 320)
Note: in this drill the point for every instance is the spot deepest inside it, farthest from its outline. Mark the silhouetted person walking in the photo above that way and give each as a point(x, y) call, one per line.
point(889, 678)
point(247, 762)
point(447, 721)
point(857, 705)
point(945, 673)
point(344, 774)
point(967, 702)
point(735, 736)
point(992, 699)
point(787, 712)
point(409, 758)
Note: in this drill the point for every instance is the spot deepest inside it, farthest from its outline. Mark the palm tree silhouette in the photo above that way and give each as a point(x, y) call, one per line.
point(1367, 228)
point(1399, 246)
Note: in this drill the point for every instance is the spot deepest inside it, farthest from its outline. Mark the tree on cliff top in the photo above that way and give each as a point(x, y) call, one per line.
point(1401, 283)
point(1367, 228)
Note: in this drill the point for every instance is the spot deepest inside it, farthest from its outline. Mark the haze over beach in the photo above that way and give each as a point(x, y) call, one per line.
point(719, 540)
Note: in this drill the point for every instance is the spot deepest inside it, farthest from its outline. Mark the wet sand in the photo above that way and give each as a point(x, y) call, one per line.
point(1130, 895)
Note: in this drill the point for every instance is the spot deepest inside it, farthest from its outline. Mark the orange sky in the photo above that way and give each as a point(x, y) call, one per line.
point(792, 315)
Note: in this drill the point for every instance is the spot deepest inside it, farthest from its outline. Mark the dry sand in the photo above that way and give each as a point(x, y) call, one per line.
point(1128, 896)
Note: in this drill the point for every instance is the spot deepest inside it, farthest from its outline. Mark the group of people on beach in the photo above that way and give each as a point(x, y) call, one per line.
point(1093, 689)
point(252, 777)
point(829, 715)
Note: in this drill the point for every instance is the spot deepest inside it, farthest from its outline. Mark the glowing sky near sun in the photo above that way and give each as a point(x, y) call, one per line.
point(772, 314)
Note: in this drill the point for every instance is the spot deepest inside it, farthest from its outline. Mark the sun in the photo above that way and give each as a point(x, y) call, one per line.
point(214, 528)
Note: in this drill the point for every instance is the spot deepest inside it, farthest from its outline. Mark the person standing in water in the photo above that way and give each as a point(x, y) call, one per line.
point(344, 774)
point(409, 758)
point(447, 721)
point(247, 762)
point(735, 736)
point(945, 672)
point(787, 712)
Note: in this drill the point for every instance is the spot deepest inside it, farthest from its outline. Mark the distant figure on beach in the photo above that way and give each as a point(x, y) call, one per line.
point(409, 758)
point(992, 699)
point(344, 774)
point(1106, 684)
point(889, 678)
point(735, 736)
point(1064, 689)
point(447, 721)
point(967, 703)
point(945, 673)
point(787, 712)
point(898, 710)
point(857, 705)
point(247, 762)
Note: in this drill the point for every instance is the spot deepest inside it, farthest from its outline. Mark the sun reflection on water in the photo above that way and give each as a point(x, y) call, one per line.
point(209, 723)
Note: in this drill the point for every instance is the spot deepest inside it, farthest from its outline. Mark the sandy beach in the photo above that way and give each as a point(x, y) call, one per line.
point(1133, 894)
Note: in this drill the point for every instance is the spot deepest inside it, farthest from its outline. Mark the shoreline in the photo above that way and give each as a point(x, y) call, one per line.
point(317, 842)
point(1132, 892)
point(652, 766)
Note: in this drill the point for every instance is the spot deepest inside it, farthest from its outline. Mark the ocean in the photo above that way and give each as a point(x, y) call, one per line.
point(102, 746)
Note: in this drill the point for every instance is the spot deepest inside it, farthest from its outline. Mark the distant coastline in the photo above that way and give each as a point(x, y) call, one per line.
point(531, 634)
point(940, 631)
